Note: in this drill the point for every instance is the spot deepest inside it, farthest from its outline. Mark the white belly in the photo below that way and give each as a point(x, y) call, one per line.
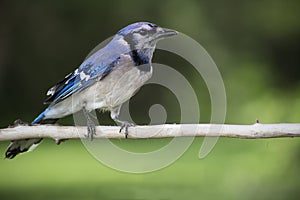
point(113, 90)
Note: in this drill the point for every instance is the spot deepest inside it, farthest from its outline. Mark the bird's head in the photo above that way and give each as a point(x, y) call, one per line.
point(144, 35)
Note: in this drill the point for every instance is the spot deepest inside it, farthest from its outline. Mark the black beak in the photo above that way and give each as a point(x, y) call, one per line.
point(166, 33)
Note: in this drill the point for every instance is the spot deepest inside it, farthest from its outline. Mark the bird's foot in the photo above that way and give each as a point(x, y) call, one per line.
point(125, 126)
point(91, 127)
point(91, 130)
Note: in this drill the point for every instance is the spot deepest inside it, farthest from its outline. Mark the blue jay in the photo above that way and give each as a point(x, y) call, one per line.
point(105, 80)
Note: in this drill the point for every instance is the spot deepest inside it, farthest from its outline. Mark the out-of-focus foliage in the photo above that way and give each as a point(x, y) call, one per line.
point(255, 45)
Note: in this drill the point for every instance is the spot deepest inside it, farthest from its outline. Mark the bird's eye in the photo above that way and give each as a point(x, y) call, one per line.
point(143, 32)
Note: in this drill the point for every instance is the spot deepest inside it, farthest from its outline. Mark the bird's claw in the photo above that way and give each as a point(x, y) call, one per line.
point(125, 126)
point(91, 131)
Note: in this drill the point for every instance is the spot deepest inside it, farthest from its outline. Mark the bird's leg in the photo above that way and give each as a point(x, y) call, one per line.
point(124, 124)
point(91, 128)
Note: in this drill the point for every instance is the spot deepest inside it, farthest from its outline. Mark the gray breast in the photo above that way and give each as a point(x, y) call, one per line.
point(124, 81)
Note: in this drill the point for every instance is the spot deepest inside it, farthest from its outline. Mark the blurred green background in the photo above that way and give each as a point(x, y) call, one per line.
point(255, 45)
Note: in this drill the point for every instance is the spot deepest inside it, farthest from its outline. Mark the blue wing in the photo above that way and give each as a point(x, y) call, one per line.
point(86, 75)
point(93, 69)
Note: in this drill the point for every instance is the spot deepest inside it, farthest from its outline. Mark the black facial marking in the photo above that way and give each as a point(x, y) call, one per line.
point(129, 38)
point(141, 57)
point(137, 58)
point(152, 25)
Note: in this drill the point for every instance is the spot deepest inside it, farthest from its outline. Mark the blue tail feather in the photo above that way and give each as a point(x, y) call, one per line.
point(40, 117)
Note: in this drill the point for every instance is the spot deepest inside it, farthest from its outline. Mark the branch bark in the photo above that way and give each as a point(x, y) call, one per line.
point(57, 132)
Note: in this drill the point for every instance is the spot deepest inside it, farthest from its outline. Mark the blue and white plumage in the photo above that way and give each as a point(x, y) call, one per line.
point(105, 80)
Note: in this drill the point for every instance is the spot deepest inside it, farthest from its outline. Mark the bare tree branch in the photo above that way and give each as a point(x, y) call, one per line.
point(56, 132)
